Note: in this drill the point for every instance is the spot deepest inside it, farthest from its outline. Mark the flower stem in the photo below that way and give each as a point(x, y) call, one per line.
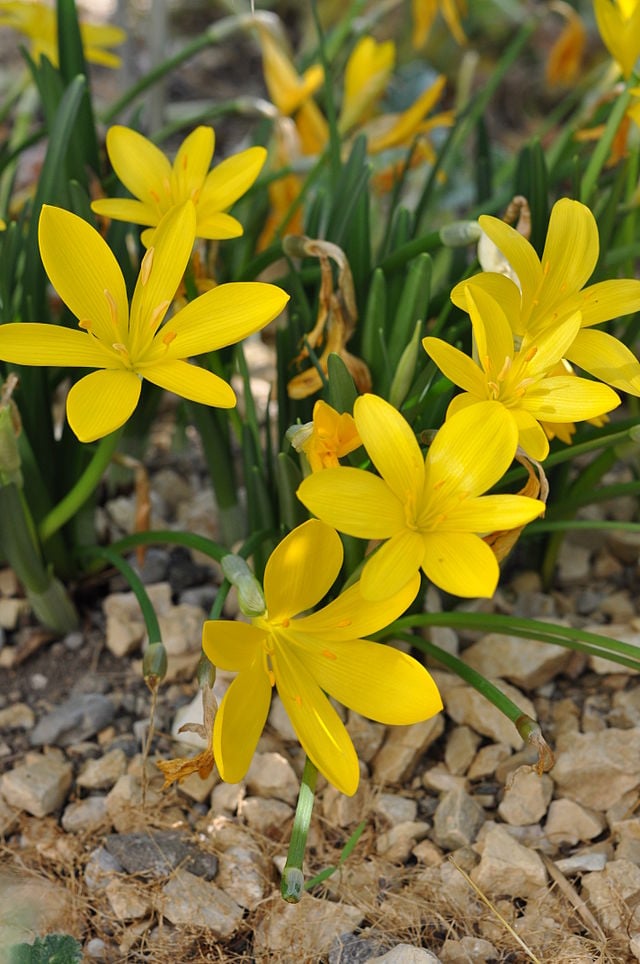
point(83, 488)
point(292, 883)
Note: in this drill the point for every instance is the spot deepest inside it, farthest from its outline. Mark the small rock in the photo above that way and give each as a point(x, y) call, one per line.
point(467, 706)
point(227, 797)
point(313, 924)
point(199, 788)
point(395, 809)
point(18, 716)
point(39, 786)
point(460, 750)
point(124, 802)
point(155, 565)
point(280, 722)
point(8, 818)
point(192, 901)
point(581, 863)
point(271, 775)
point(101, 868)
point(405, 954)
point(468, 950)
point(74, 641)
point(32, 906)
point(623, 631)
point(568, 823)
point(96, 949)
point(573, 563)
point(343, 811)
point(487, 759)
point(438, 778)
point(243, 875)
point(397, 843)
point(526, 799)
point(181, 629)
point(158, 852)
point(625, 545)
point(596, 769)
point(127, 900)
point(357, 948)
point(426, 852)
point(457, 820)
point(125, 628)
point(78, 718)
point(367, 736)
point(625, 708)
point(11, 610)
point(266, 816)
point(83, 815)
point(506, 867)
point(526, 663)
point(101, 774)
point(608, 890)
point(403, 747)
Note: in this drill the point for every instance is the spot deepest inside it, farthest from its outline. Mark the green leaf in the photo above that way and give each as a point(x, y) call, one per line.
point(52, 949)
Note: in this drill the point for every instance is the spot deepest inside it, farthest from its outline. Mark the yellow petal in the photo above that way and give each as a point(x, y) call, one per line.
point(317, 725)
point(220, 317)
point(377, 681)
point(301, 569)
point(487, 513)
point(353, 501)
point(191, 164)
point(239, 722)
point(491, 330)
point(40, 344)
point(619, 26)
point(390, 443)
point(216, 226)
point(161, 271)
point(551, 344)
point(463, 565)
point(101, 402)
point(604, 357)
point(531, 436)
point(520, 255)
point(365, 78)
point(229, 180)
point(456, 366)
point(570, 253)
point(84, 272)
point(472, 450)
point(350, 615)
point(125, 209)
point(502, 289)
point(190, 381)
point(565, 398)
point(609, 299)
point(393, 566)
point(405, 125)
point(141, 166)
point(231, 646)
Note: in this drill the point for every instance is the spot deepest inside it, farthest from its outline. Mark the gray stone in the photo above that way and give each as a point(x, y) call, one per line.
point(227, 797)
point(438, 778)
point(124, 803)
point(468, 950)
point(96, 949)
point(487, 759)
point(243, 875)
point(74, 641)
point(406, 954)
point(157, 853)
point(526, 663)
point(83, 815)
point(457, 820)
point(181, 629)
point(582, 863)
point(460, 750)
point(467, 706)
point(103, 773)
point(608, 891)
point(596, 769)
point(265, 816)
point(394, 808)
point(101, 868)
point(568, 823)
point(313, 924)
point(271, 775)
point(526, 798)
point(343, 811)
point(573, 563)
point(367, 736)
point(127, 900)
point(397, 843)
point(356, 948)
point(191, 901)
point(403, 747)
point(506, 867)
point(81, 716)
point(39, 786)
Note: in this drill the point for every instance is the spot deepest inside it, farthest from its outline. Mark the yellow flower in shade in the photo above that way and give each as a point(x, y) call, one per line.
point(366, 77)
point(157, 185)
point(521, 379)
point(619, 25)
point(38, 22)
point(430, 510)
point(328, 438)
point(552, 289)
point(129, 344)
point(307, 657)
point(565, 56)
point(426, 11)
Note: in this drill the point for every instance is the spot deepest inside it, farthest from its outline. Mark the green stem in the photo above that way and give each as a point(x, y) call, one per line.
point(135, 584)
point(603, 147)
point(292, 883)
point(18, 544)
point(83, 488)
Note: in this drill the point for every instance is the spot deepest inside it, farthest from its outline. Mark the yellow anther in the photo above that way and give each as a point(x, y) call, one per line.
point(145, 267)
point(329, 654)
point(506, 368)
point(343, 623)
point(85, 323)
point(298, 700)
point(285, 623)
point(184, 162)
point(532, 352)
point(155, 196)
point(157, 314)
point(272, 677)
point(168, 337)
point(113, 308)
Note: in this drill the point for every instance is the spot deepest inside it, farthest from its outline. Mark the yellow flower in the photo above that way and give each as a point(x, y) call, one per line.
point(431, 510)
point(365, 80)
point(520, 379)
point(619, 25)
point(565, 57)
point(426, 11)
point(552, 289)
point(38, 22)
point(306, 657)
point(328, 438)
point(129, 344)
point(157, 185)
